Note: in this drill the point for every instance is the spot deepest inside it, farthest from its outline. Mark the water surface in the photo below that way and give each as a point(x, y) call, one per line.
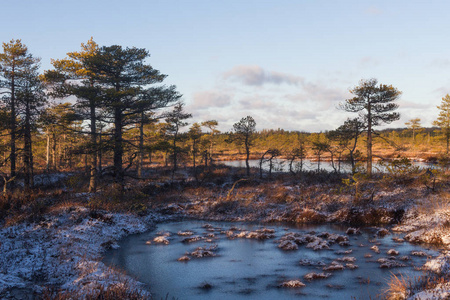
point(254, 269)
point(282, 165)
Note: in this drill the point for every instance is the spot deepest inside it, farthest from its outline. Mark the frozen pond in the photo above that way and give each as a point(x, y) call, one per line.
point(282, 165)
point(246, 267)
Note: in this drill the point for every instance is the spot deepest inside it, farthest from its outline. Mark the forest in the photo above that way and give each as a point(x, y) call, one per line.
point(101, 140)
point(104, 111)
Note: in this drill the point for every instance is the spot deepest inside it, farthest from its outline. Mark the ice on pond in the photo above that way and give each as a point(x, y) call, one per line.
point(249, 261)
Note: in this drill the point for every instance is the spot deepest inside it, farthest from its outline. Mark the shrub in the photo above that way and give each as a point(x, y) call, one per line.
point(400, 170)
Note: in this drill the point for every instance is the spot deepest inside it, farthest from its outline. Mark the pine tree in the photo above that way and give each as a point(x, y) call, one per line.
point(30, 99)
point(175, 120)
point(414, 125)
point(443, 120)
point(244, 131)
point(350, 131)
point(123, 78)
point(15, 61)
point(375, 105)
point(72, 77)
point(195, 134)
point(211, 125)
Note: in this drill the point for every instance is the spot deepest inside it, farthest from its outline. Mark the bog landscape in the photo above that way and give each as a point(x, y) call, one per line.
point(113, 187)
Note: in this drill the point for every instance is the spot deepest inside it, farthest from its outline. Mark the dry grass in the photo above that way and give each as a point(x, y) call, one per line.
point(398, 288)
point(432, 203)
point(112, 292)
point(309, 216)
point(21, 206)
point(277, 193)
point(428, 282)
point(122, 288)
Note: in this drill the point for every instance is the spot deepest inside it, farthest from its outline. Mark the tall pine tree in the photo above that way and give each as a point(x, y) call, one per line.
point(15, 63)
point(375, 105)
point(124, 78)
point(71, 76)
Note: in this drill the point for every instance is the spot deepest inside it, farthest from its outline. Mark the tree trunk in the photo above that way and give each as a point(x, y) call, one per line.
point(31, 164)
point(175, 154)
point(141, 146)
point(12, 156)
point(99, 150)
point(58, 155)
point(118, 146)
point(369, 140)
point(54, 162)
point(48, 150)
point(352, 151)
point(69, 156)
point(318, 162)
point(93, 166)
point(332, 161)
point(64, 154)
point(290, 165)
point(211, 159)
point(27, 155)
point(194, 157)
point(27, 148)
point(247, 151)
point(86, 164)
point(261, 166)
point(270, 167)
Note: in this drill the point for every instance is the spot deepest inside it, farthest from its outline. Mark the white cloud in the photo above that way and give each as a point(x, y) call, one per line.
point(320, 96)
point(404, 104)
point(256, 102)
point(274, 99)
point(210, 99)
point(373, 10)
point(257, 76)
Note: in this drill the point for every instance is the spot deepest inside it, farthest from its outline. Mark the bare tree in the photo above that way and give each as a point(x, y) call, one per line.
point(268, 156)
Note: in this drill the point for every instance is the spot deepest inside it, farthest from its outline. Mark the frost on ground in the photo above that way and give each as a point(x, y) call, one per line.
point(429, 223)
point(64, 250)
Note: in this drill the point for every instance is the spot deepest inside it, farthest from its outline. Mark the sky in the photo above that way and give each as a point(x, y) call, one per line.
point(288, 64)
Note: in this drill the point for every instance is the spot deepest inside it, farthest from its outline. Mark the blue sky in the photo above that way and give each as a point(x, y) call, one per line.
point(286, 63)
